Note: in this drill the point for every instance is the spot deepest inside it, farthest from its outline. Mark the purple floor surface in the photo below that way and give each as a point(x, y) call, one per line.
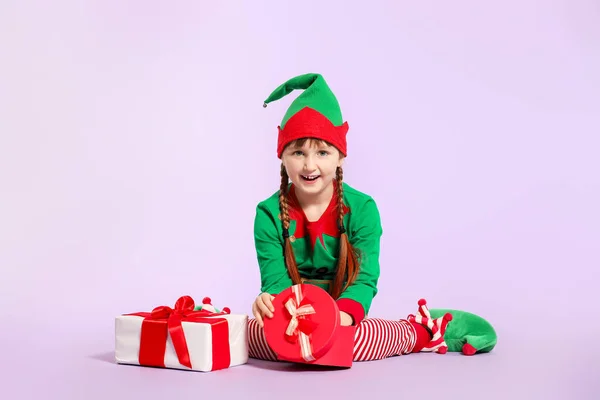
point(56, 366)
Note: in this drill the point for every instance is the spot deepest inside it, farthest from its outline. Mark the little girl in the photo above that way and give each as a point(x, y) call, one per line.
point(319, 230)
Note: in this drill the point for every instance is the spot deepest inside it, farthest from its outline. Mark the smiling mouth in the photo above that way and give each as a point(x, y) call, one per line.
point(310, 178)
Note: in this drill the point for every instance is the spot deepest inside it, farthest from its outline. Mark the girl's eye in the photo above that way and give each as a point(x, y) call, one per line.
point(297, 153)
point(324, 153)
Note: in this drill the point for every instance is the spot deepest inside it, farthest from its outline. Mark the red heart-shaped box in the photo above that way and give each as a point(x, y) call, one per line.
point(328, 342)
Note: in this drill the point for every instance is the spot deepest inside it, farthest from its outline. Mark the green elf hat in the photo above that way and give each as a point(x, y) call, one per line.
point(314, 114)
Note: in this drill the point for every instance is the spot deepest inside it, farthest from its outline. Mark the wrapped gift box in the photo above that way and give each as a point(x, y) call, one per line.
point(182, 338)
point(305, 328)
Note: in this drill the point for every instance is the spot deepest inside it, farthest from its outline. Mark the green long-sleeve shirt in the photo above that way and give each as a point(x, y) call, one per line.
point(316, 246)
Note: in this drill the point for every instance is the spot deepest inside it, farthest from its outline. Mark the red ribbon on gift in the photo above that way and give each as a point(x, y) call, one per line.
point(164, 320)
point(299, 328)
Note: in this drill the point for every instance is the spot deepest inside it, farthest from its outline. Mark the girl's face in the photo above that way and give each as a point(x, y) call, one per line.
point(312, 166)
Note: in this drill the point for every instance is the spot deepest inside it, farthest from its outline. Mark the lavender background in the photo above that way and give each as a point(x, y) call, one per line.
point(134, 148)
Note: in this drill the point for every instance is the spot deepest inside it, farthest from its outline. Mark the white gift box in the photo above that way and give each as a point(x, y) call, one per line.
point(198, 336)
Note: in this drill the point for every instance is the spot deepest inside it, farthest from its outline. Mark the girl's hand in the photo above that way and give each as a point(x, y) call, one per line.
point(263, 306)
point(346, 319)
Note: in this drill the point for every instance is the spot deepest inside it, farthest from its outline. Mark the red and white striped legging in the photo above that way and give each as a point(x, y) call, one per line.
point(374, 339)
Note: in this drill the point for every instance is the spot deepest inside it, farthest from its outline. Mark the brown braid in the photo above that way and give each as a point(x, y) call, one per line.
point(348, 262)
point(290, 258)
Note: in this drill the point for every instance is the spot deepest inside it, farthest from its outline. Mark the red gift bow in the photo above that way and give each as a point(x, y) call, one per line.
point(165, 320)
point(300, 328)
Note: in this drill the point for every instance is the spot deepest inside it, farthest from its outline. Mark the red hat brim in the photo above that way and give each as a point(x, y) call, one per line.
point(309, 123)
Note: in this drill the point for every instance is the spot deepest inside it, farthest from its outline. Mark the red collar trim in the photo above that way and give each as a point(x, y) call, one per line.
point(325, 225)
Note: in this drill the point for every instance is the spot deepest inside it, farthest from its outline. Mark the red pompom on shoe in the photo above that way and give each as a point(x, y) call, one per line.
point(207, 305)
point(468, 350)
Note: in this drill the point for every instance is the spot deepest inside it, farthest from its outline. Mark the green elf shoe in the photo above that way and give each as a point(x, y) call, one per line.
point(207, 306)
point(467, 333)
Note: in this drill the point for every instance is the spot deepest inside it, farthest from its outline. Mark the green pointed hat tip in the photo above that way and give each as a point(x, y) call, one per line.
point(317, 95)
point(303, 82)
